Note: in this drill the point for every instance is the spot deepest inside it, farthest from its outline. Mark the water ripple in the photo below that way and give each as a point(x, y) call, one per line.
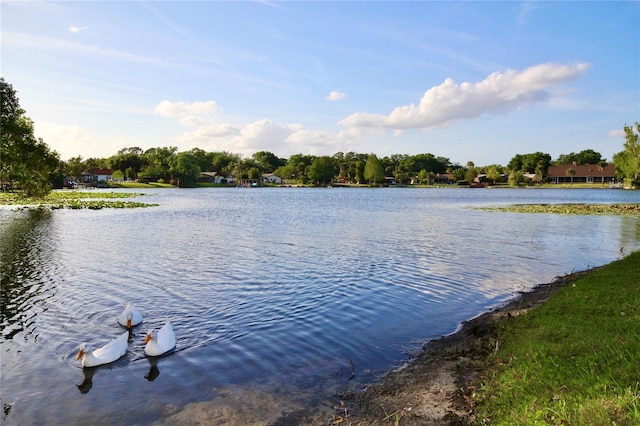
point(294, 289)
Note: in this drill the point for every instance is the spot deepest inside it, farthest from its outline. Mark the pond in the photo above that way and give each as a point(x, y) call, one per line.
point(281, 298)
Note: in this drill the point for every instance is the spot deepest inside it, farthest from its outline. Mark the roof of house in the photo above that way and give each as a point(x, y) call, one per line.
point(581, 170)
point(106, 172)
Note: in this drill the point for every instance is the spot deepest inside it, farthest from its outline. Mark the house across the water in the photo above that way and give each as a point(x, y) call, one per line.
point(585, 173)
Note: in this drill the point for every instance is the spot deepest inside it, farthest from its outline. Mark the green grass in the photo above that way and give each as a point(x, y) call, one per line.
point(68, 199)
point(574, 360)
point(139, 185)
point(575, 209)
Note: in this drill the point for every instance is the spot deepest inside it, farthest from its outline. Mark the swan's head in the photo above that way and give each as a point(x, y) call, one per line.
point(128, 319)
point(85, 348)
point(151, 335)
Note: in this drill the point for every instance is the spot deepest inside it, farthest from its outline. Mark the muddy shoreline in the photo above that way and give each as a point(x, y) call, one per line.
point(434, 388)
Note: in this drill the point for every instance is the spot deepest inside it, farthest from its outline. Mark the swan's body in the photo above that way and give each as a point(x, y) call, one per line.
point(161, 341)
point(130, 316)
point(104, 355)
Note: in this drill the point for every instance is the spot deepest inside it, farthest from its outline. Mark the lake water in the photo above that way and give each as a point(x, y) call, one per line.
point(281, 298)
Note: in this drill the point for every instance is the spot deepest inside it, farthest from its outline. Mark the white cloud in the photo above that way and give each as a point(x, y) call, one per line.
point(335, 96)
point(266, 135)
point(449, 102)
point(204, 134)
point(74, 29)
point(71, 141)
point(182, 109)
point(616, 134)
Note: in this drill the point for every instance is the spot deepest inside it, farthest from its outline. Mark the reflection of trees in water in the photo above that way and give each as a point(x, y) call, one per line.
point(26, 249)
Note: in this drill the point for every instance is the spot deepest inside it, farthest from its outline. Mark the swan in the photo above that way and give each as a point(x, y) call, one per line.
point(130, 316)
point(161, 341)
point(104, 355)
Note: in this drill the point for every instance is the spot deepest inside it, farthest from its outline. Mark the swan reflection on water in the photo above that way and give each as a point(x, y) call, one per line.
point(154, 372)
point(87, 383)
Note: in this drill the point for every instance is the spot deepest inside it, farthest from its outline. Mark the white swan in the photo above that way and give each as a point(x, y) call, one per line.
point(161, 341)
point(130, 316)
point(104, 355)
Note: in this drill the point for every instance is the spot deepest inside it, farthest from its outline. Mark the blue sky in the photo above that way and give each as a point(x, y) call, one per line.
point(470, 81)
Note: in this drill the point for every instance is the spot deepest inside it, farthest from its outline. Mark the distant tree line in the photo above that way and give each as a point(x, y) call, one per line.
point(29, 165)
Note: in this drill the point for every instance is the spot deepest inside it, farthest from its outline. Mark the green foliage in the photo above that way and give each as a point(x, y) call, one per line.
point(321, 170)
point(516, 178)
point(587, 156)
point(373, 171)
point(186, 169)
point(572, 360)
point(268, 161)
point(494, 173)
point(27, 163)
point(628, 161)
point(530, 163)
point(459, 173)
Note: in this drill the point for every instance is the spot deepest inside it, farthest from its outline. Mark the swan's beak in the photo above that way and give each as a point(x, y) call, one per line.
point(80, 355)
point(146, 339)
point(128, 322)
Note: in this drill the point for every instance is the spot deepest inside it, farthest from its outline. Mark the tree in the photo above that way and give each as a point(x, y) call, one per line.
point(27, 163)
point(373, 171)
point(471, 172)
point(287, 172)
point(601, 165)
point(458, 173)
point(128, 160)
point(571, 172)
point(587, 156)
point(493, 172)
point(268, 161)
point(75, 167)
point(186, 169)
point(158, 163)
point(528, 163)
point(628, 161)
point(321, 170)
point(222, 162)
point(516, 178)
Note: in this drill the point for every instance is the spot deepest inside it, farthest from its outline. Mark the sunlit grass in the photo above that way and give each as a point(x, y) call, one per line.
point(573, 360)
point(139, 185)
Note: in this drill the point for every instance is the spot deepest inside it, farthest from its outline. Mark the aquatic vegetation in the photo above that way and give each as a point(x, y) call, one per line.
point(573, 209)
point(93, 200)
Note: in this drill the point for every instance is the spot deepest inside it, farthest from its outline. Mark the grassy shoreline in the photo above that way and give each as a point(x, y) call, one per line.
point(574, 359)
point(566, 352)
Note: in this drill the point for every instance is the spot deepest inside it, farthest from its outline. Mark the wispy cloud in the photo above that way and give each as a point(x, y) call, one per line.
point(74, 29)
point(178, 109)
point(51, 44)
point(449, 102)
point(525, 10)
point(336, 96)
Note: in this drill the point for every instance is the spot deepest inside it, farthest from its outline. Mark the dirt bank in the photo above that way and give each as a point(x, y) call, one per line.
point(434, 388)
